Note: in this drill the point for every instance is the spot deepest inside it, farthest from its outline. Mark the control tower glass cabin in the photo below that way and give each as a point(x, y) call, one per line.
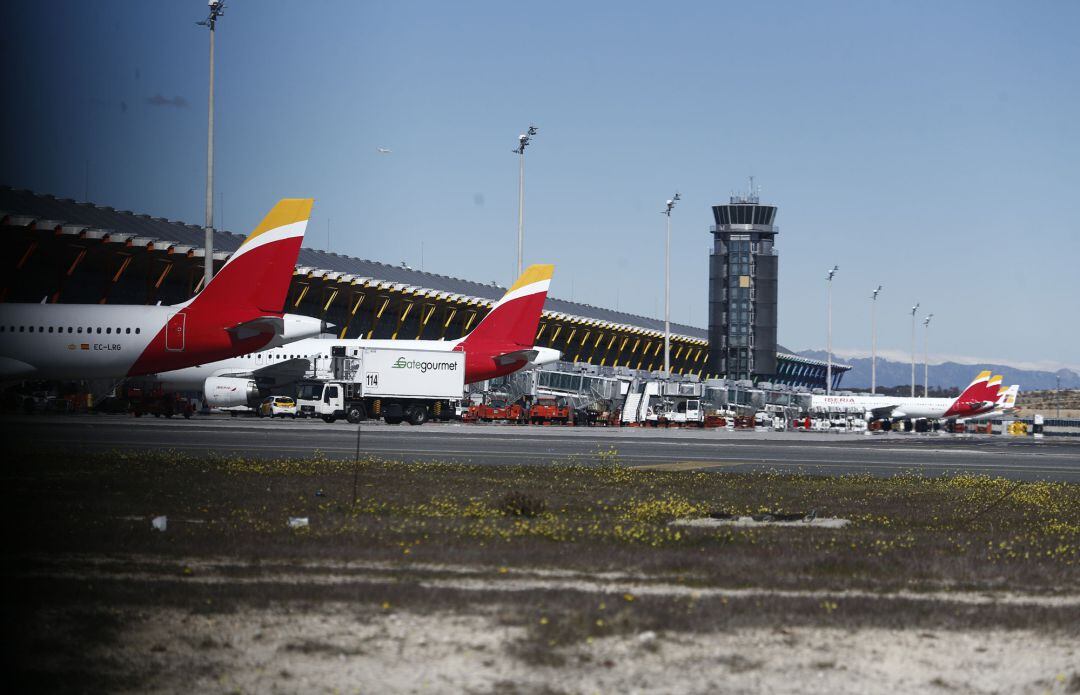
point(742, 290)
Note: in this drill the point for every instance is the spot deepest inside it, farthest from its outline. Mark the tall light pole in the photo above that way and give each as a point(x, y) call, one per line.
point(873, 340)
point(926, 356)
point(523, 141)
point(828, 342)
point(217, 8)
point(667, 286)
point(913, 310)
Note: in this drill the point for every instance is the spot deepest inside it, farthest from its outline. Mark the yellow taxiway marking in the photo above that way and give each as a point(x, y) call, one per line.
point(690, 465)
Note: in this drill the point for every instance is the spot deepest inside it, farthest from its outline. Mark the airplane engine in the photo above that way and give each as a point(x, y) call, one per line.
point(225, 392)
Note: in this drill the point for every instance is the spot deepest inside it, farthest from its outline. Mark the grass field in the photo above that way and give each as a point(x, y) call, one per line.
point(561, 557)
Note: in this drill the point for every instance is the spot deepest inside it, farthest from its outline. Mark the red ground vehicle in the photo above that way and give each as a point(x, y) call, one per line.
point(744, 422)
point(157, 403)
point(548, 410)
point(509, 413)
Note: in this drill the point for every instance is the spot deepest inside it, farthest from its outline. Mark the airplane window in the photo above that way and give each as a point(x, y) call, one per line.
point(136, 330)
point(99, 330)
point(50, 329)
point(31, 329)
point(70, 329)
point(22, 329)
point(41, 329)
point(109, 330)
point(127, 330)
point(80, 329)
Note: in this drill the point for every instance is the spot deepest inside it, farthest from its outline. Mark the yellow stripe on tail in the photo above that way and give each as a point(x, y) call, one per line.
point(534, 273)
point(287, 211)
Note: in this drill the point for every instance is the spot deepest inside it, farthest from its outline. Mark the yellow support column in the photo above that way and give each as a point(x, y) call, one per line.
point(378, 315)
point(352, 314)
point(303, 293)
point(424, 318)
point(407, 307)
point(450, 313)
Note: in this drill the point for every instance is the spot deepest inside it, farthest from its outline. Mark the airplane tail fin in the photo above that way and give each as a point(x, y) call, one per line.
point(1007, 397)
point(977, 390)
point(257, 275)
point(514, 318)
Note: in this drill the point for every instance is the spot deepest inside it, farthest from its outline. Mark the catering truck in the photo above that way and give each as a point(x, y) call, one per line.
point(394, 384)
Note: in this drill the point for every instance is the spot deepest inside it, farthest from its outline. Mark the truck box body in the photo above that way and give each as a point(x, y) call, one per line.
point(404, 373)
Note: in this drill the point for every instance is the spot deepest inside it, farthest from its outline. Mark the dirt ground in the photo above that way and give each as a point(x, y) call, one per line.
point(530, 579)
point(337, 647)
point(138, 623)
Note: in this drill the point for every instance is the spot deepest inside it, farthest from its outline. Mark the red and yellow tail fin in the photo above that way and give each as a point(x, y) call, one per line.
point(977, 389)
point(258, 273)
point(514, 318)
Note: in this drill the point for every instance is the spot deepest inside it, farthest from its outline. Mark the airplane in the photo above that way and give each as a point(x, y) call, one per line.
point(383, 150)
point(238, 312)
point(979, 397)
point(1005, 404)
point(500, 344)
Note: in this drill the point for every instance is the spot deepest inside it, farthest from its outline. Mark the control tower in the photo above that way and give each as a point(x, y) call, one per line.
point(742, 289)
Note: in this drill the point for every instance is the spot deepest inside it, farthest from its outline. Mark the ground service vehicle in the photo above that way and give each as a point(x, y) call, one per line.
point(391, 383)
point(549, 410)
point(157, 403)
point(684, 411)
point(277, 406)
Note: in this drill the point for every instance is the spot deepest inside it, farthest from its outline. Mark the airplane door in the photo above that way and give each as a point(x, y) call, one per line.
point(174, 332)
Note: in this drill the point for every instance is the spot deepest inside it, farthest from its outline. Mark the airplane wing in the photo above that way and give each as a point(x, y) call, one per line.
point(883, 412)
point(283, 372)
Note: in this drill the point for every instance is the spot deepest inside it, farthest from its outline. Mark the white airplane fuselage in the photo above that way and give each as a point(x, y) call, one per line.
point(901, 408)
point(316, 350)
point(74, 341)
point(57, 341)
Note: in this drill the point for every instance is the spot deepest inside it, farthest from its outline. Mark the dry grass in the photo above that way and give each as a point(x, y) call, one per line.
point(908, 532)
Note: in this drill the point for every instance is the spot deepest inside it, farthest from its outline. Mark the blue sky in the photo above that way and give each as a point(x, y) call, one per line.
point(931, 147)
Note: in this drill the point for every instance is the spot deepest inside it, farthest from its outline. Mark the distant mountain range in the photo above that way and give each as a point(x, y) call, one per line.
point(945, 375)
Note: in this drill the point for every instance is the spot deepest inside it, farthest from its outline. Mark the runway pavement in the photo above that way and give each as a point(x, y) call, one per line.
point(720, 450)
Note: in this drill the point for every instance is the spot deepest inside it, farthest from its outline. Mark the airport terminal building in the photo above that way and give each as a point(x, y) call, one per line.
point(61, 250)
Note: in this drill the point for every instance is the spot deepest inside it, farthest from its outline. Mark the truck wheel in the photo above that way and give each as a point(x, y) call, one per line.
point(417, 415)
point(328, 418)
point(355, 414)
